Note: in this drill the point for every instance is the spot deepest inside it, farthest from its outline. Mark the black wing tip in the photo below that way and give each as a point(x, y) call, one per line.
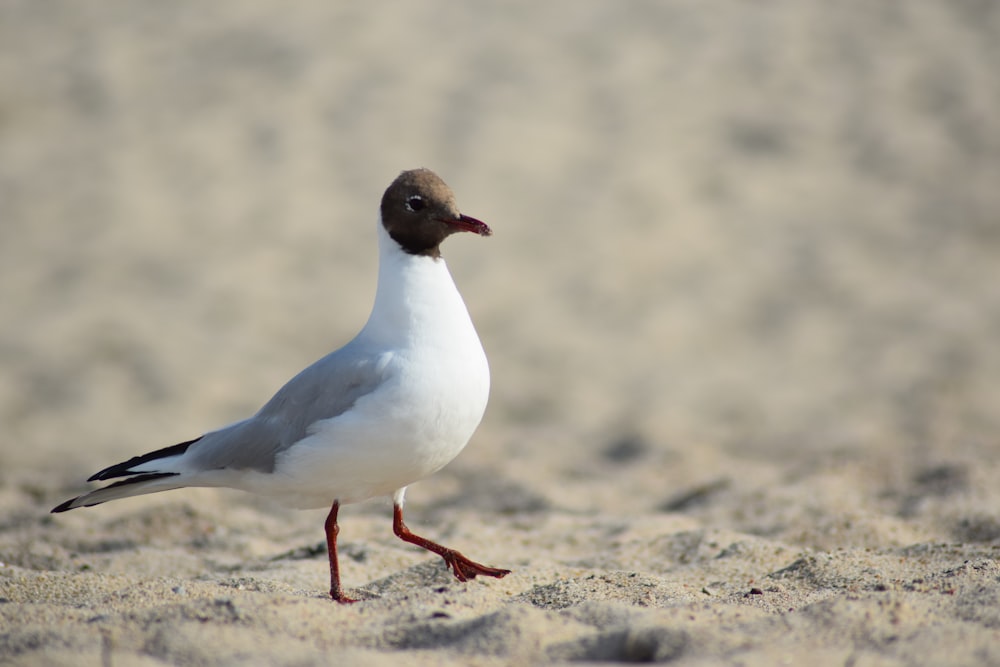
point(125, 469)
point(65, 507)
point(145, 477)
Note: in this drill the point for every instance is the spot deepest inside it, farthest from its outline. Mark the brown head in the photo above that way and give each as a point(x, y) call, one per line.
point(419, 212)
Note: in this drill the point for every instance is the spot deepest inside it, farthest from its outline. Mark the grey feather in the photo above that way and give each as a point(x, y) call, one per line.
point(135, 486)
point(324, 390)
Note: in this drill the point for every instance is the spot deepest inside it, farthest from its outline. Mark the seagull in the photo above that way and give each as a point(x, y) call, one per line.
point(394, 405)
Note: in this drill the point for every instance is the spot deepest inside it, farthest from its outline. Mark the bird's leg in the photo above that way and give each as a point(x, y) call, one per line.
point(463, 568)
point(332, 529)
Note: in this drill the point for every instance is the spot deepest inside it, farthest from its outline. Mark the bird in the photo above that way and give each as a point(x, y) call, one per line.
point(392, 406)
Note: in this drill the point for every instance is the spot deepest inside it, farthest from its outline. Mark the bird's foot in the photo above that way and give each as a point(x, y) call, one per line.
point(466, 569)
point(339, 597)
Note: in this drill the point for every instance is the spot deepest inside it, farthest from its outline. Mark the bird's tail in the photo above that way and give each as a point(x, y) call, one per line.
point(133, 486)
point(149, 473)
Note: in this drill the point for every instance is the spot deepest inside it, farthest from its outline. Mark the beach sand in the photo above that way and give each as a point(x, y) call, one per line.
point(741, 309)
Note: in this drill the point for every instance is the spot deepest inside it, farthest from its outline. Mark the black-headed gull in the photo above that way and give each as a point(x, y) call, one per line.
point(393, 406)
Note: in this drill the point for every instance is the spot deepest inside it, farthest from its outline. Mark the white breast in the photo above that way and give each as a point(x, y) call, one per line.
point(432, 399)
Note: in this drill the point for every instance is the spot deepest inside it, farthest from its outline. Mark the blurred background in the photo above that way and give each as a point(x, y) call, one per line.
point(758, 231)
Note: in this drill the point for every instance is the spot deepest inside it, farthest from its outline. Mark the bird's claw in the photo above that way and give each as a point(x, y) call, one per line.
point(466, 569)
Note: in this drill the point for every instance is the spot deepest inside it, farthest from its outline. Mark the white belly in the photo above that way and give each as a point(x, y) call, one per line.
point(409, 428)
point(434, 390)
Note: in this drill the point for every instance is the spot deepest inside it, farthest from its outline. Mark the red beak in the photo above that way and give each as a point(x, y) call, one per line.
point(466, 223)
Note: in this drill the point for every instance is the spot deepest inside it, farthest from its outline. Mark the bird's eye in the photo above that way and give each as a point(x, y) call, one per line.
point(415, 203)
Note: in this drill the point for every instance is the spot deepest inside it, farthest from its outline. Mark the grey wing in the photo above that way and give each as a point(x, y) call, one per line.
point(324, 390)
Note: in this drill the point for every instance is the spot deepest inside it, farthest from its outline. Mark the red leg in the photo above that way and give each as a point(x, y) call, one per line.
point(332, 530)
point(463, 568)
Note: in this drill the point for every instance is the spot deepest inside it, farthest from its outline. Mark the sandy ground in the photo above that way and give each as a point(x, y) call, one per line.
point(741, 307)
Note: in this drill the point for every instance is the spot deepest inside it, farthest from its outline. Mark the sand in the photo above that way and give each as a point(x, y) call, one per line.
point(741, 307)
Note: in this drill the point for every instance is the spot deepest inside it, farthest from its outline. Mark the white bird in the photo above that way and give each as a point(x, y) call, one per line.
point(393, 406)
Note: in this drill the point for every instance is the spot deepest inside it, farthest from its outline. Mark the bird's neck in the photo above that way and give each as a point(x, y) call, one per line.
point(416, 297)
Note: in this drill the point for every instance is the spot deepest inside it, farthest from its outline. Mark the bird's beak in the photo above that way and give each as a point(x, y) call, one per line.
point(465, 223)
